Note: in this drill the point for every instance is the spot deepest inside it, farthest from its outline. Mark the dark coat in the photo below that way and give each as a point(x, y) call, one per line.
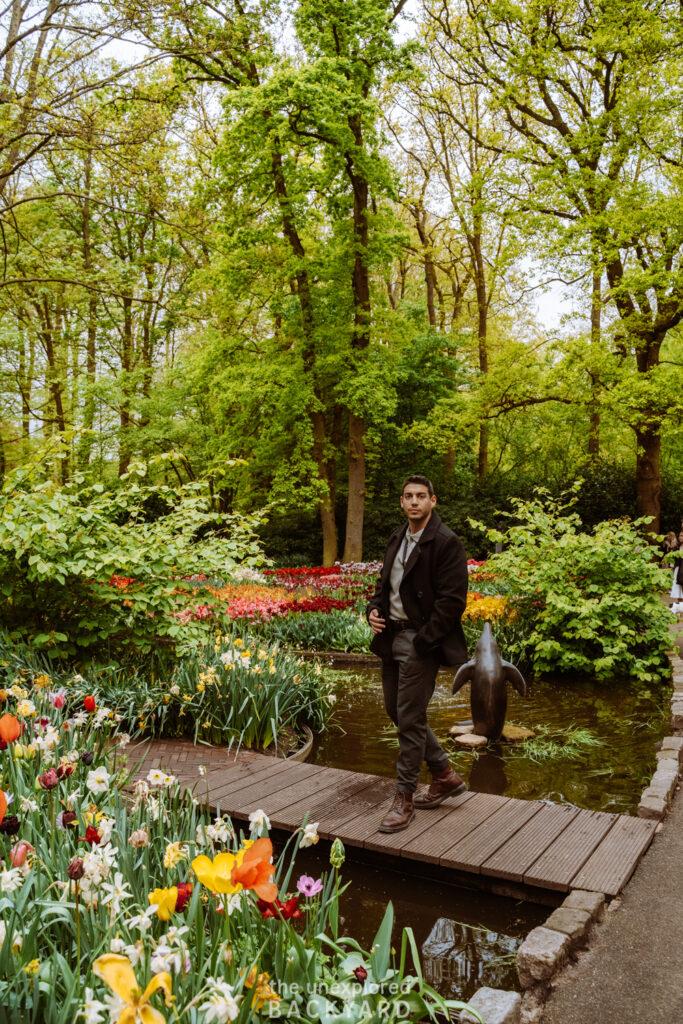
point(433, 591)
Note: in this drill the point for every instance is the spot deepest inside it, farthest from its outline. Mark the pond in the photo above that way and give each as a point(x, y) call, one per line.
point(469, 938)
point(593, 744)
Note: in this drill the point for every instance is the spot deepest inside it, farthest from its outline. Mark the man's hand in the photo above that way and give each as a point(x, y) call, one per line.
point(377, 623)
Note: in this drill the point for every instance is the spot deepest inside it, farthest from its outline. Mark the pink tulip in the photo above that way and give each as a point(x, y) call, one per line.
point(58, 699)
point(19, 853)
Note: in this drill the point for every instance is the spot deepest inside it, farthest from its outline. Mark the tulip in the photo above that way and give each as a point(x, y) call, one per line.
point(89, 703)
point(10, 728)
point(66, 818)
point(75, 870)
point(117, 972)
point(87, 757)
point(49, 779)
point(166, 901)
point(184, 896)
point(256, 869)
point(360, 973)
point(10, 826)
point(19, 853)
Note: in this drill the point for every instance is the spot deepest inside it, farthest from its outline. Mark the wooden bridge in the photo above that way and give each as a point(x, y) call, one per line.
point(478, 839)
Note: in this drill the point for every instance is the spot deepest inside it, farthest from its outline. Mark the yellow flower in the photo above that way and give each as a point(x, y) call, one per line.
point(206, 724)
point(165, 900)
point(238, 642)
point(42, 681)
point(175, 852)
point(215, 874)
point(92, 815)
point(201, 687)
point(117, 972)
point(31, 967)
point(263, 993)
point(3, 696)
point(187, 696)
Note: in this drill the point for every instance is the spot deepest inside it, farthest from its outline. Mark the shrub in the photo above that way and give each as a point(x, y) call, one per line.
point(591, 599)
point(85, 569)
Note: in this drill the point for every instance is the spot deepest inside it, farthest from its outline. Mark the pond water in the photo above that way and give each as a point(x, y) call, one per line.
point(466, 938)
point(469, 938)
point(593, 744)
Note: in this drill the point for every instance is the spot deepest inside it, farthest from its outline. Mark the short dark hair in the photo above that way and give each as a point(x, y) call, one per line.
point(418, 478)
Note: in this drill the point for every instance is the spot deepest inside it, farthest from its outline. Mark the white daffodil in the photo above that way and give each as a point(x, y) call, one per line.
point(155, 777)
point(221, 1006)
point(98, 780)
point(310, 836)
point(258, 819)
point(115, 892)
point(92, 1009)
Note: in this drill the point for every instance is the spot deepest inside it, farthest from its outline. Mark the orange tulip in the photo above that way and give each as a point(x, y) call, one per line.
point(10, 728)
point(255, 870)
point(3, 804)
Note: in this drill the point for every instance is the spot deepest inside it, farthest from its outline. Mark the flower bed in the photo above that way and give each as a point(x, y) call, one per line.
point(147, 909)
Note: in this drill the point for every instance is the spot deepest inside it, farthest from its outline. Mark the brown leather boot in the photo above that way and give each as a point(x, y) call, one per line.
point(400, 815)
point(444, 784)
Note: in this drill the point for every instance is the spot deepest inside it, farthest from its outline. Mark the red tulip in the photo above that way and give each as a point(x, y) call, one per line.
point(184, 895)
point(290, 908)
point(89, 703)
point(49, 779)
point(19, 853)
point(92, 836)
point(361, 973)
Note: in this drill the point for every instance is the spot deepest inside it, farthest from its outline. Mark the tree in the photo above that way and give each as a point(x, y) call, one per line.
point(586, 87)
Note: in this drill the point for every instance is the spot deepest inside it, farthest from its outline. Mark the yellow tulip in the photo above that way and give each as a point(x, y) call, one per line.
point(215, 874)
point(165, 900)
point(117, 972)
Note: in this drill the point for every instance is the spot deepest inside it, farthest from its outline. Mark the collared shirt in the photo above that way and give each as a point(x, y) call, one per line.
point(396, 609)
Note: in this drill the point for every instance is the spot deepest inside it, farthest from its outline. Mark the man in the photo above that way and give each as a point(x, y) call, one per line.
point(415, 615)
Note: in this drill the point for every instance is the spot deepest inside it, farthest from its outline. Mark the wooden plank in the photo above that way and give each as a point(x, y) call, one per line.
point(225, 781)
point(614, 860)
point(424, 821)
point(357, 806)
point(294, 806)
point(515, 856)
point(469, 853)
point(248, 798)
point(558, 864)
point(467, 811)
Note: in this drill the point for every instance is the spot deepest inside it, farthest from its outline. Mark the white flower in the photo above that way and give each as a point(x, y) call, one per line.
point(116, 892)
point(117, 945)
point(105, 827)
point(142, 921)
point(202, 770)
point(231, 903)
point(221, 1005)
point(156, 777)
point(229, 657)
point(200, 836)
point(258, 819)
point(11, 880)
point(169, 780)
point(28, 804)
point(80, 718)
point(174, 934)
point(100, 716)
point(166, 959)
point(98, 780)
point(220, 832)
point(115, 1005)
point(25, 708)
point(92, 1008)
point(310, 836)
point(135, 952)
point(124, 739)
point(175, 690)
point(139, 838)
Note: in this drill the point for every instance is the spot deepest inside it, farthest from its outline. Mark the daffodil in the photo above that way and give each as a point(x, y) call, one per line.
point(117, 972)
point(165, 901)
point(175, 852)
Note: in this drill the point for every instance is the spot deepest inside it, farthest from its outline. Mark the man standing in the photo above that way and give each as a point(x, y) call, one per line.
point(415, 615)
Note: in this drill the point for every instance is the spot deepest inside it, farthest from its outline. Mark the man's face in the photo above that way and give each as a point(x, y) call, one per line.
point(417, 503)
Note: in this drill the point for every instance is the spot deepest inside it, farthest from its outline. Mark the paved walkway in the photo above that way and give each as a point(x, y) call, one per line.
point(632, 972)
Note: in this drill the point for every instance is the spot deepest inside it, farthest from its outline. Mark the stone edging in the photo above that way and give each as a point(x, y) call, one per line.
point(546, 949)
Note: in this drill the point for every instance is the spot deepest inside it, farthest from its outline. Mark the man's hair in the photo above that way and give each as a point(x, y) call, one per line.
point(418, 478)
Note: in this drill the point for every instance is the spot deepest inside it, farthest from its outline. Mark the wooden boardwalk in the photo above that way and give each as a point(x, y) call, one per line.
point(526, 843)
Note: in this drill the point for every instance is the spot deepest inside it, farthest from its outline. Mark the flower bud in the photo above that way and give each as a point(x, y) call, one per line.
point(75, 869)
point(87, 757)
point(49, 779)
point(337, 854)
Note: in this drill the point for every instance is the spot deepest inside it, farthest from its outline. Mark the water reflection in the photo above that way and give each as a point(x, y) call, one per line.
point(457, 958)
point(608, 776)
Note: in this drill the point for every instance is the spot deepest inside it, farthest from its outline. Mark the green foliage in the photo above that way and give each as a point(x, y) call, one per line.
point(592, 599)
point(83, 568)
point(320, 631)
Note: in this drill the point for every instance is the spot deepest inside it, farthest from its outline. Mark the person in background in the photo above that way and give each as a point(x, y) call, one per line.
point(669, 544)
point(677, 586)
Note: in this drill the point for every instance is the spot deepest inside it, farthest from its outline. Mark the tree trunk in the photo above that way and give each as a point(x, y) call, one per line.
point(326, 502)
point(648, 475)
point(353, 545)
point(482, 339)
point(594, 428)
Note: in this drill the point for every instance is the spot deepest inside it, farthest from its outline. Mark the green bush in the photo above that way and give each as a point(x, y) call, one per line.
point(84, 569)
point(592, 600)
